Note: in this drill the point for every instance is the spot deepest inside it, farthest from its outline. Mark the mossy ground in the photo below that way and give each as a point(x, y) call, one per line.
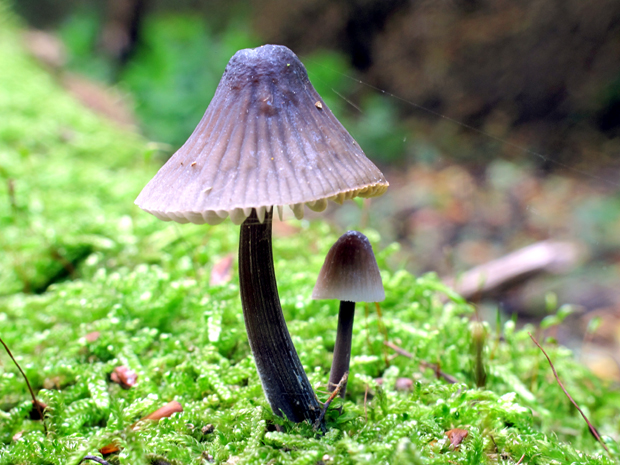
point(78, 257)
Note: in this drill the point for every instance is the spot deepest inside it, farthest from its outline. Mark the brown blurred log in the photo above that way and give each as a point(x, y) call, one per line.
point(542, 257)
point(104, 100)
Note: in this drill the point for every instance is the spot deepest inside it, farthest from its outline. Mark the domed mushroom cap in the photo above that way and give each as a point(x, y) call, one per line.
point(350, 272)
point(267, 139)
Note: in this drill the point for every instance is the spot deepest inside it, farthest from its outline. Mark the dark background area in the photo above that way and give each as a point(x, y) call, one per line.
point(545, 73)
point(496, 122)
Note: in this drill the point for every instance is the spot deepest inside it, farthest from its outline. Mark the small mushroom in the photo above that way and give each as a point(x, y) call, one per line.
point(262, 143)
point(349, 274)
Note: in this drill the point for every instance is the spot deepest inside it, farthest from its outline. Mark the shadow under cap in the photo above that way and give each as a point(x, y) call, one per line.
point(267, 139)
point(350, 272)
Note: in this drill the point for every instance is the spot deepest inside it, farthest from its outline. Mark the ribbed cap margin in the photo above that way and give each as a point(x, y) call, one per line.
point(267, 139)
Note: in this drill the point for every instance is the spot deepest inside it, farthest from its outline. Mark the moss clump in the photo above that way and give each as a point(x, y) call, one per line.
point(57, 163)
point(139, 289)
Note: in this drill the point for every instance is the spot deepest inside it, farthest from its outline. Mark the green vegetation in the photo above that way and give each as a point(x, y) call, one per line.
point(180, 61)
point(78, 257)
point(57, 162)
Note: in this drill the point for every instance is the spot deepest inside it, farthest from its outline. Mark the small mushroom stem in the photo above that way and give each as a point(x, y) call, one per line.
point(342, 349)
point(282, 375)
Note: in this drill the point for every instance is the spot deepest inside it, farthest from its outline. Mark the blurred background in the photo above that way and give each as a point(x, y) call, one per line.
point(497, 124)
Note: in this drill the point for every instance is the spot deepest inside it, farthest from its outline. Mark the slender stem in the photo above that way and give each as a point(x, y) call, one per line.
point(35, 402)
point(342, 349)
point(557, 378)
point(281, 373)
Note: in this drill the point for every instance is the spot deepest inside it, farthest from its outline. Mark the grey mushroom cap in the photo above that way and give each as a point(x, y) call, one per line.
point(350, 272)
point(267, 139)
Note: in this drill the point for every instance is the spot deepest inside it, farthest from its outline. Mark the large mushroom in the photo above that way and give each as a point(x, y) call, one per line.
point(267, 139)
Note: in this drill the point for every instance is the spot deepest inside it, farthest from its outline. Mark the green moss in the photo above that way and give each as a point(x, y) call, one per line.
point(143, 285)
point(57, 163)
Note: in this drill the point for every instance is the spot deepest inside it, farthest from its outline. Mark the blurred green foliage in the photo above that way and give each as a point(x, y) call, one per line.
point(175, 72)
point(80, 34)
point(57, 161)
point(180, 60)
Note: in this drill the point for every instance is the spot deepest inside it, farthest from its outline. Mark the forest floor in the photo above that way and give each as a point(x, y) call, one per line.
point(89, 283)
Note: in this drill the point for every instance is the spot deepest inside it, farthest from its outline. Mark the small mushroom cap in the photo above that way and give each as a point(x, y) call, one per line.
point(350, 272)
point(267, 139)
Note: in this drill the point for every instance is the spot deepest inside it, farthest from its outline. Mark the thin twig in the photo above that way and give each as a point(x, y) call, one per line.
point(397, 349)
point(95, 459)
point(10, 183)
point(365, 402)
point(438, 373)
point(332, 396)
point(366, 315)
point(400, 351)
point(382, 329)
point(34, 398)
point(521, 459)
point(557, 378)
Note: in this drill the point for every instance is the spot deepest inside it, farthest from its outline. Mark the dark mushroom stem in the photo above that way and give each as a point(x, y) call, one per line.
point(282, 375)
point(342, 349)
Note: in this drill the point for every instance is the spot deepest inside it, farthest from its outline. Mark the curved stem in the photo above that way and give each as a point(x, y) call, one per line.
point(281, 373)
point(35, 402)
point(342, 349)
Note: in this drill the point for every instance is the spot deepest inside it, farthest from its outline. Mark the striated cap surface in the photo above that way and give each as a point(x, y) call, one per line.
point(350, 272)
point(267, 139)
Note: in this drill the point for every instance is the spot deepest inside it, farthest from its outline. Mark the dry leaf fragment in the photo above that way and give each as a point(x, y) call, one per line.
point(109, 449)
point(162, 412)
point(222, 271)
point(92, 337)
point(403, 384)
point(124, 376)
point(456, 436)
